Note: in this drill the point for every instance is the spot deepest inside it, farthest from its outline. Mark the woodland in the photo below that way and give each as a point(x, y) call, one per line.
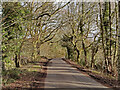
point(87, 33)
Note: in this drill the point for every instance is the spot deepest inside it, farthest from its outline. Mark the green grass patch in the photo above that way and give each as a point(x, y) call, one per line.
point(11, 75)
point(104, 74)
point(32, 67)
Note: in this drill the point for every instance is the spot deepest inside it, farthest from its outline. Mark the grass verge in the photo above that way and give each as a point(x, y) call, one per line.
point(29, 76)
point(103, 79)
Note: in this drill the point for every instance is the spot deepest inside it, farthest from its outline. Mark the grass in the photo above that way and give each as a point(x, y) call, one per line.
point(103, 74)
point(96, 72)
point(32, 67)
point(10, 76)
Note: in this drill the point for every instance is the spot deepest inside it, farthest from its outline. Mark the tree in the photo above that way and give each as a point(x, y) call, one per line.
point(13, 34)
point(23, 21)
point(119, 44)
point(66, 41)
point(45, 26)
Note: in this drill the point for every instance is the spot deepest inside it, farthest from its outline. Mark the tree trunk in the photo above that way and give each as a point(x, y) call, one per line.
point(106, 21)
point(81, 29)
point(115, 50)
point(78, 54)
point(85, 52)
point(68, 53)
point(119, 44)
point(102, 34)
point(38, 49)
point(3, 66)
point(92, 59)
point(35, 53)
point(110, 31)
point(16, 61)
point(94, 51)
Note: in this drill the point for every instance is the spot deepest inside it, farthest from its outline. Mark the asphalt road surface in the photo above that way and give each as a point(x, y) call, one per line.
point(63, 75)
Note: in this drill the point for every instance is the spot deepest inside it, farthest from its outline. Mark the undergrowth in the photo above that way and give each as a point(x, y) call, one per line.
point(9, 76)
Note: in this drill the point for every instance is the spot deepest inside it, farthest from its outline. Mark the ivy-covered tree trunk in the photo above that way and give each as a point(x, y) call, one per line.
point(92, 58)
point(35, 50)
point(115, 50)
point(85, 52)
point(78, 55)
point(110, 23)
point(17, 64)
point(3, 65)
point(94, 51)
point(102, 32)
point(68, 53)
point(38, 48)
point(106, 29)
point(81, 29)
point(119, 44)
